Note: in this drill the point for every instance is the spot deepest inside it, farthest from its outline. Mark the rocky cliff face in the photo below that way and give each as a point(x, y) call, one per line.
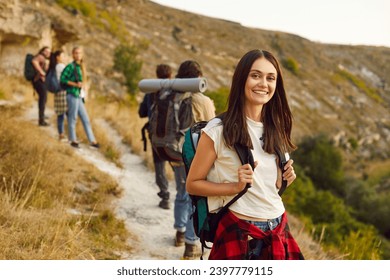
point(25, 27)
point(340, 90)
point(22, 30)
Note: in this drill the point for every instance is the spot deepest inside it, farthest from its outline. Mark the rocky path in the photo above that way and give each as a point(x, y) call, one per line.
point(151, 227)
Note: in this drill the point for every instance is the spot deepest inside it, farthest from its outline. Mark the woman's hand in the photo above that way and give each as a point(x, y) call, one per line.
point(288, 174)
point(245, 176)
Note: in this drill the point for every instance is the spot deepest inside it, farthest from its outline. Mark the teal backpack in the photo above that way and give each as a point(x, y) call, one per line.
point(205, 222)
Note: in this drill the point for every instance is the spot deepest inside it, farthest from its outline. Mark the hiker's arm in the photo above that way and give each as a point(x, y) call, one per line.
point(66, 77)
point(38, 67)
point(205, 156)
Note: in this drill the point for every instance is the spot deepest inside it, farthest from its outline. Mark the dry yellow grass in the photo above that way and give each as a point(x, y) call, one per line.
point(53, 204)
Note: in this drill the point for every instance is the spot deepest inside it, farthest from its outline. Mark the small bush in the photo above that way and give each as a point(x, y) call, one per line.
point(87, 8)
point(354, 143)
point(359, 83)
point(220, 98)
point(291, 65)
point(126, 62)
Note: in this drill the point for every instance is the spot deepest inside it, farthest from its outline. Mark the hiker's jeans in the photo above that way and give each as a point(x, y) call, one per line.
point(161, 176)
point(60, 123)
point(76, 108)
point(271, 224)
point(40, 88)
point(183, 207)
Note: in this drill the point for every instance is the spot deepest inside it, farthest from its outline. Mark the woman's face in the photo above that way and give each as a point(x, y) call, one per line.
point(261, 82)
point(46, 53)
point(60, 58)
point(77, 54)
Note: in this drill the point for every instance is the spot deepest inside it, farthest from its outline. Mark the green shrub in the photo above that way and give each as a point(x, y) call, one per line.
point(354, 143)
point(339, 225)
point(291, 65)
point(322, 162)
point(87, 8)
point(220, 98)
point(113, 24)
point(126, 62)
point(359, 83)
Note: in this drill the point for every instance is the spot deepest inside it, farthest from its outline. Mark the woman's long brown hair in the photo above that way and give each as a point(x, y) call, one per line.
point(275, 116)
point(84, 74)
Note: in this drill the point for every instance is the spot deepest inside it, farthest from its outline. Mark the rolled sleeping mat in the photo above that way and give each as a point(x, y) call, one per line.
point(184, 85)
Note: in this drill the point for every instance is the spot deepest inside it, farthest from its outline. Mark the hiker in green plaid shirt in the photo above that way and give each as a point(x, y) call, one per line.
point(74, 78)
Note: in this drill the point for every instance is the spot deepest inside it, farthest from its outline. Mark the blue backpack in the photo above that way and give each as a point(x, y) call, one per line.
point(52, 83)
point(205, 222)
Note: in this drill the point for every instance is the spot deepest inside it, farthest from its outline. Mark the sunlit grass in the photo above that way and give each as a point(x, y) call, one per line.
point(52, 203)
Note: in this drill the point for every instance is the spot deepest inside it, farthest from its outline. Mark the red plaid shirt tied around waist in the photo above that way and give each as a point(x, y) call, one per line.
point(231, 240)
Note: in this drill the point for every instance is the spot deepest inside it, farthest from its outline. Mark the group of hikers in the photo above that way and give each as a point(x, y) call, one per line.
point(69, 98)
point(257, 117)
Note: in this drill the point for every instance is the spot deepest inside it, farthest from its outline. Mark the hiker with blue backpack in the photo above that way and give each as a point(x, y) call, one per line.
point(38, 81)
point(259, 118)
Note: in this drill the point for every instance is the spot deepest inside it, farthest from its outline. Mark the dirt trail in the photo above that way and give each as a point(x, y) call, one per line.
point(138, 206)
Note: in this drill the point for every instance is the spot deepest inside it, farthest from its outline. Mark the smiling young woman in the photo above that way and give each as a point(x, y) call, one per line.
point(257, 109)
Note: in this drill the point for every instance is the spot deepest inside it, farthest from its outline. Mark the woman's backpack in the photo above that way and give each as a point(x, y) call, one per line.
point(171, 116)
point(206, 222)
point(29, 70)
point(52, 83)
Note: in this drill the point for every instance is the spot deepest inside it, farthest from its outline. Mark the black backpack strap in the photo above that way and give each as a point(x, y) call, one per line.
point(76, 75)
point(245, 155)
point(145, 127)
point(283, 158)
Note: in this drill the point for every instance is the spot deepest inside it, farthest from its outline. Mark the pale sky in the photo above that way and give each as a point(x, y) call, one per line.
point(349, 22)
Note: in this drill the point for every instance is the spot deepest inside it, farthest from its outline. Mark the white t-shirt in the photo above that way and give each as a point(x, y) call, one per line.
point(59, 68)
point(261, 200)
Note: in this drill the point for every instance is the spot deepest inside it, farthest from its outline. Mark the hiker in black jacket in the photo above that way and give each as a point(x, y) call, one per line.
point(163, 71)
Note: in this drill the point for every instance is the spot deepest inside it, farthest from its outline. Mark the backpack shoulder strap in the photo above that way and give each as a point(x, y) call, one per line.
point(76, 75)
point(246, 156)
point(283, 159)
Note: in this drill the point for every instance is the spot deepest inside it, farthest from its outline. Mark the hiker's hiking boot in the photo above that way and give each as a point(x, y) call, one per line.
point(95, 145)
point(75, 144)
point(179, 239)
point(163, 195)
point(164, 204)
point(62, 138)
point(191, 252)
point(43, 123)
